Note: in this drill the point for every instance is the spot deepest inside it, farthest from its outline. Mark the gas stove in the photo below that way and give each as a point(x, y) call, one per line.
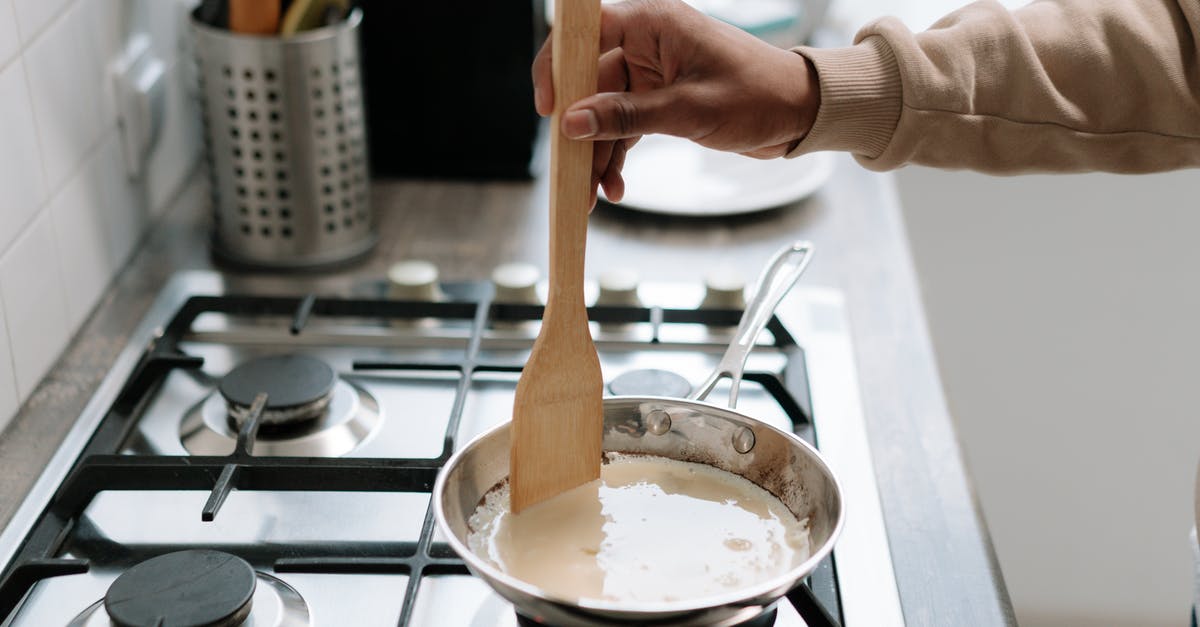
point(268, 460)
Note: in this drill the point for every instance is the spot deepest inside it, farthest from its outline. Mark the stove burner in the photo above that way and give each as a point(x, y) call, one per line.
point(650, 382)
point(351, 416)
point(298, 388)
point(275, 603)
point(195, 588)
point(763, 620)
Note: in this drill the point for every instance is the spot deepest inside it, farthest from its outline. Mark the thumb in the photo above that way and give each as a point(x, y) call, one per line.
point(620, 115)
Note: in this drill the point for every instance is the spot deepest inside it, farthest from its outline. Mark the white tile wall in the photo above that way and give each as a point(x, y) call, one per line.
point(65, 84)
point(34, 15)
point(21, 180)
point(168, 24)
point(32, 290)
point(69, 216)
point(80, 228)
point(105, 27)
point(9, 42)
point(8, 382)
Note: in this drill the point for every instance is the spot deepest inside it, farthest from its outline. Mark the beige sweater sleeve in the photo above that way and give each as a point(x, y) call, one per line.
point(1059, 85)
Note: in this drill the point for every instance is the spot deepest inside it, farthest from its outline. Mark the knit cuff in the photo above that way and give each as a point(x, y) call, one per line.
point(860, 98)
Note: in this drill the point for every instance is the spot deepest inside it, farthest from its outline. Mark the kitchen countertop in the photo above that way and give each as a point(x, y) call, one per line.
point(945, 566)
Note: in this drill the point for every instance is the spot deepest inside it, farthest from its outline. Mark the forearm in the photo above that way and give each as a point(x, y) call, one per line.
point(1068, 85)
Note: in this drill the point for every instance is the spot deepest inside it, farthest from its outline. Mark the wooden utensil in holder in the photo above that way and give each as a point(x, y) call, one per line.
point(557, 413)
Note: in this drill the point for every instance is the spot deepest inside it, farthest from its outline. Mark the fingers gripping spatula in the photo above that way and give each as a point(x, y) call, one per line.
point(557, 413)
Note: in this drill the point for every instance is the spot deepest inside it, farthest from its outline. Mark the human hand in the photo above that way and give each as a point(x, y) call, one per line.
point(667, 68)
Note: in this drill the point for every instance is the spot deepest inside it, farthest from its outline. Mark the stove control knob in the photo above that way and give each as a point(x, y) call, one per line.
point(619, 287)
point(516, 283)
point(414, 279)
point(724, 289)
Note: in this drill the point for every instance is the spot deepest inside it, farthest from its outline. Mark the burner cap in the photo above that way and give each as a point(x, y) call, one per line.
point(289, 381)
point(650, 382)
point(192, 588)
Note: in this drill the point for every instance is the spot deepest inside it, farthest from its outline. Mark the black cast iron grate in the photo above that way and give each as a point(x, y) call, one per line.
point(100, 467)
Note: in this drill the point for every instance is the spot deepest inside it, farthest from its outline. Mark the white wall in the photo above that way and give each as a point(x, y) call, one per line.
point(69, 218)
point(1065, 313)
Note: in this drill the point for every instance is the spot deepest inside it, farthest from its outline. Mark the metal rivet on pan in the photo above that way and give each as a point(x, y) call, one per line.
point(743, 440)
point(658, 422)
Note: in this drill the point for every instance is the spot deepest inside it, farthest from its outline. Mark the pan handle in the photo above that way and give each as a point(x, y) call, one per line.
point(777, 279)
point(810, 609)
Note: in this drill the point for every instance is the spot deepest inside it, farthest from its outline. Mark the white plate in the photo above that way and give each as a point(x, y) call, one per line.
point(669, 175)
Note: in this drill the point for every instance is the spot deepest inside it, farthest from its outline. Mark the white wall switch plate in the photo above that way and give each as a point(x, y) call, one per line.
point(139, 93)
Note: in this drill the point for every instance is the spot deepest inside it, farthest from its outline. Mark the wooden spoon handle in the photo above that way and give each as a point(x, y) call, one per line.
point(255, 17)
point(576, 46)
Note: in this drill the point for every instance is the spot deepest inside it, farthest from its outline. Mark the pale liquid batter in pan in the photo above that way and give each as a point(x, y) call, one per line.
point(649, 530)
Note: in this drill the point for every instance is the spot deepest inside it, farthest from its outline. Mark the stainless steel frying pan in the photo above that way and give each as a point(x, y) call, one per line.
point(687, 430)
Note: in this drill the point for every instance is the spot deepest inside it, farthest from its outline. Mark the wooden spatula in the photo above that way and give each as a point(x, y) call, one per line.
point(254, 17)
point(558, 414)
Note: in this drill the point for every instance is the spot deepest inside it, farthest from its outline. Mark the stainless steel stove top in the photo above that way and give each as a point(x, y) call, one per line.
point(408, 392)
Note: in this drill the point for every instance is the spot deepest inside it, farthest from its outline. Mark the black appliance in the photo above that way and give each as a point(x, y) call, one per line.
point(448, 90)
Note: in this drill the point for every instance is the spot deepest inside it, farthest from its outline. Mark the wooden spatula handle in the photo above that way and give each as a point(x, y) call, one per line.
point(254, 17)
point(558, 413)
point(576, 45)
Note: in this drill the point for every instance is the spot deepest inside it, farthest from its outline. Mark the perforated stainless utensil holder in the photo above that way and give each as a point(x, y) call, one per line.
point(286, 145)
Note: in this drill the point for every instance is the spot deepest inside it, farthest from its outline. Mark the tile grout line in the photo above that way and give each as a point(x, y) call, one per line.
point(37, 133)
point(42, 211)
point(25, 45)
point(8, 332)
point(76, 170)
point(51, 195)
point(7, 420)
point(172, 64)
point(12, 362)
point(20, 51)
point(68, 316)
point(43, 206)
